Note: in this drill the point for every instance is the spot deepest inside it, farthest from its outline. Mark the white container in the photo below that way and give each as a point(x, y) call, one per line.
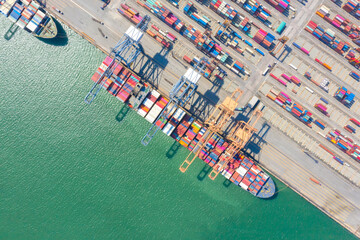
point(311, 91)
point(241, 171)
point(293, 67)
point(243, 186)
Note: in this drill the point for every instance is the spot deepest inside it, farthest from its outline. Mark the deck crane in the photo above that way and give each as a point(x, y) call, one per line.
point(126, 51)
point(215, 122)
point(283, 40)
point(239, 136)
point(180, 94)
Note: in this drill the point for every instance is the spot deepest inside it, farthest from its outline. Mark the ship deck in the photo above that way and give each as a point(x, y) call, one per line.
point(268, 189)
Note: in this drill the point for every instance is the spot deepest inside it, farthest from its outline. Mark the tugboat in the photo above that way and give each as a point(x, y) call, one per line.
point(30, 16)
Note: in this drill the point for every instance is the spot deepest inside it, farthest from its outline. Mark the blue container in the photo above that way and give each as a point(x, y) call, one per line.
point(316, 34)
point(351, 128)
point(248, 43)
point(320, 125)
point(259, 51)
point(339, 160)
point(324, 100)
point(342, 146)
point(355, 76)
point(296, 45)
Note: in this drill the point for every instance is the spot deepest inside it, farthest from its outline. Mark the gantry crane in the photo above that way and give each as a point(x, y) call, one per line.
point(126, 51)
point(180, 94)
point(225, 25)
point(239, 136)
point(215, 122)
point(283, 40)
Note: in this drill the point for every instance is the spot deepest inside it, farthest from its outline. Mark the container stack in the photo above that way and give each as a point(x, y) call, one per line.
point(278, 79)
point(354, 121)
point(191, 11)
point(246, 164)
point(263, 14)
point(164, 14)
point(174, 121)
point(322, 109)
point(217, 150)
point(355, 75)
point(148, 103)
point(130, 13)
point(190, 134)
point(260, 36)
point(311, 26)
point(195, 141)
point(258, 183)
point(163, 37)
point(268, 41)
point(280, 5)
point(182, 127)
point(320, 124)
point(282, 99)
point(156, 109)
point(350, 129)
point(126, 90)
point(251, 6)
point(26, 14)
point(15, 14)
point(237, 67)
point(245, 24)
point(352, 6)
point(295, 80)
point(223, 9)
point(297, 110)
point(338, 21)
point(323, 11)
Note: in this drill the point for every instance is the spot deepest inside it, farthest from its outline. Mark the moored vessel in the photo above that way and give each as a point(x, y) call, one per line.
point(30, 16)
point(181, 126)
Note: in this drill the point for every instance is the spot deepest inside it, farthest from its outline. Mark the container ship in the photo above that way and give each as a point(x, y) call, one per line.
point(181, 126)
point(28, 15)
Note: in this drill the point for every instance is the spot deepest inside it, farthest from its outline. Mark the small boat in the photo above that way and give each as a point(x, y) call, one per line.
point(30, 16)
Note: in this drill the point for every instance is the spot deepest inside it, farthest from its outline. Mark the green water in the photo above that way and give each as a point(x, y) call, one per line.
point(72, 171)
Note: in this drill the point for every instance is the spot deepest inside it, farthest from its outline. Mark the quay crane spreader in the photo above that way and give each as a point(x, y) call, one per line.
point(180, 94)
point(239, 136)
point(125, 51)
point(216, 121)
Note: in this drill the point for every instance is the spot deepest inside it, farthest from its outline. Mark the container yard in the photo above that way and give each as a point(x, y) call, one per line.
point(295, 63)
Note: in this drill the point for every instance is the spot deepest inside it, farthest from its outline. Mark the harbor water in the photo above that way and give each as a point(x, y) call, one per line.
point(75, 171)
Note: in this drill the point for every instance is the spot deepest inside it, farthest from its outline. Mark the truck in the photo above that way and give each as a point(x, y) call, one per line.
point(253, 101)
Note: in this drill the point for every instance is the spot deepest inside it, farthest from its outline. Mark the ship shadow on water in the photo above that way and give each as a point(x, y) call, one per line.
point(60, 40)
point(123, 112)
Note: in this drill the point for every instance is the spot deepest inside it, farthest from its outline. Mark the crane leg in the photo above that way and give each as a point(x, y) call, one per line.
point(186, 164)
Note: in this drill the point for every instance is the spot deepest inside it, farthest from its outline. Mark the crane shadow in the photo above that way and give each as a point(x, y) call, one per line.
point(205, 171)
point(173, 150)
point(151, 68)
point(252, 148)
point(201, 105)
point(11, 31)
point(122, 113)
